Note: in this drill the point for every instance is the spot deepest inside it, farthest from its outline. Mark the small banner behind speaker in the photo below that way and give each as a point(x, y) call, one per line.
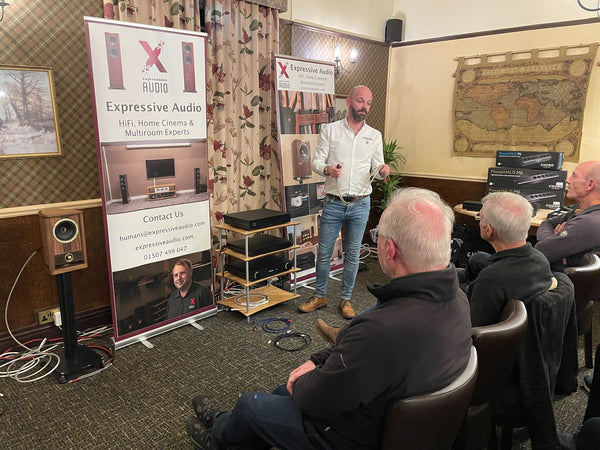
point(305, 103)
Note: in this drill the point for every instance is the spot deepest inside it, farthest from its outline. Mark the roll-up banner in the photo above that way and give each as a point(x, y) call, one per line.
point(149, 97)
point(305, 101)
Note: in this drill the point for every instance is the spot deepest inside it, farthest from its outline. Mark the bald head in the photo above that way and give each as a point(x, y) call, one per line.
point(583, 185)
point(359, 103)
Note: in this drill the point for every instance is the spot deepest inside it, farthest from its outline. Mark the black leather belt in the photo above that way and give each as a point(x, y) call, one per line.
point(348, 199)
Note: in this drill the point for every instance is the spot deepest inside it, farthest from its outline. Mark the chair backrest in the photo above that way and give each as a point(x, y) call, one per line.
point(497, 349)
point(430, 421)
point(586, 280)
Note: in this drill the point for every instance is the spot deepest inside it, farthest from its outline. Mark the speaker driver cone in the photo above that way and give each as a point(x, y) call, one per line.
point(65, 231)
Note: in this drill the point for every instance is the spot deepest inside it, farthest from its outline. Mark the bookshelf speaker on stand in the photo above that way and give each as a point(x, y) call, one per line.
point(64, 249)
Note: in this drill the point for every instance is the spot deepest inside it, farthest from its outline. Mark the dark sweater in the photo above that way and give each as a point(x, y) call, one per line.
point(520, 273)
point(416, 340)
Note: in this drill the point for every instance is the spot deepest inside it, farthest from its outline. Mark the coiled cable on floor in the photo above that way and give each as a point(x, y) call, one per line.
point(266, 325)
point(303, 338)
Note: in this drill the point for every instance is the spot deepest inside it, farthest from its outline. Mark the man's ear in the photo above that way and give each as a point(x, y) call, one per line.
point(391, 251)
point(591, 184)
point(488, 231)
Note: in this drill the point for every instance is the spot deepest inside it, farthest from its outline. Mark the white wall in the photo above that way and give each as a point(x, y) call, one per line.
point(421, 89)
point(426, 19)
point(360, 18)
point(436, 18)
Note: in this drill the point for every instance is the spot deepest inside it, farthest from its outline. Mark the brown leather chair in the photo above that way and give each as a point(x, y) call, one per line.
point(430, 421)
point(586, 280)
point(497, 349)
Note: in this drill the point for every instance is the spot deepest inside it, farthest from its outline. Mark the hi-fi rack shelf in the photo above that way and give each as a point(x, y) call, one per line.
point(273, 294)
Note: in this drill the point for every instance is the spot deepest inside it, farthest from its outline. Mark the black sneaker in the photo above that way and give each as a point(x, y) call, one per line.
point(207, 409)
point(199, 434)
point(587, 382)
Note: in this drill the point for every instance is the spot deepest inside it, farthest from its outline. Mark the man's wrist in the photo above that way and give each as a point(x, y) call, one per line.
point(326, 171)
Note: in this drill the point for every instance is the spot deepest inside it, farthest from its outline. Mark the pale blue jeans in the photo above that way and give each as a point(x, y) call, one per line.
point(335, 213)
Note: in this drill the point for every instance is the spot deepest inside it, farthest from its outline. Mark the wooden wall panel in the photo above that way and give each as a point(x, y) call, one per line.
point(35, 288)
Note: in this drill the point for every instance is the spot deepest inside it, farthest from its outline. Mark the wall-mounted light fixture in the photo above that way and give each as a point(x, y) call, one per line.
point(2, 5)
point(339, 67)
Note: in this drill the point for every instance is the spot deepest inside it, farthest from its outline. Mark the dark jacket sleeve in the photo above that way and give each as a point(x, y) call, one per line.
point(351, 375)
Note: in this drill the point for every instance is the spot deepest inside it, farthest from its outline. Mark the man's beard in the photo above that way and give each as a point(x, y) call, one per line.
point(358, 115)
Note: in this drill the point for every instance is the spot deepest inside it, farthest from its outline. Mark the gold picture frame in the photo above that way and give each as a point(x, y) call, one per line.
point(341, 109)
point(28, 119)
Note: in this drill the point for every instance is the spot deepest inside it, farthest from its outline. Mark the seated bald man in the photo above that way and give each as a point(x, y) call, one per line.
point(565, 239)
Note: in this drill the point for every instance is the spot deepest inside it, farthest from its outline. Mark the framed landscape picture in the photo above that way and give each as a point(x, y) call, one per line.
point(28, 120)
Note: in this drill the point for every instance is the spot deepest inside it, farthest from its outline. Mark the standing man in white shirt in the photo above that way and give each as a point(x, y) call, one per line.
point(349, 154)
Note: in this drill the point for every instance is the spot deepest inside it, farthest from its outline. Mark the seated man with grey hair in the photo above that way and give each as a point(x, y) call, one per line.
point(415, 340)
point(516, 270)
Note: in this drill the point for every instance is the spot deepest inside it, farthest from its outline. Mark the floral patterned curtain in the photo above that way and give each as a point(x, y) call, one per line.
point(182, 14)
point(242, 125)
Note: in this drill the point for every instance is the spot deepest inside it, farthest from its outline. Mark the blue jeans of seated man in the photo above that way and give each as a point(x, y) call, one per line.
point(261, 420)
point(335, 213)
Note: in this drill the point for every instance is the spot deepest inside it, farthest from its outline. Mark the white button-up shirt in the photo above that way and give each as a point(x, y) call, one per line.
point(360, 155)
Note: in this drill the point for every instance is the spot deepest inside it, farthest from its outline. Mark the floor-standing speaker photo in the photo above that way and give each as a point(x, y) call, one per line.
point(63, 240)
point(189, 74)
point(301, 168)
point(124, 190)
point(200, 187)
point(113, 56)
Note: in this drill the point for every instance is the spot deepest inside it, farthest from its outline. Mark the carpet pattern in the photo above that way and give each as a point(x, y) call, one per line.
point(143, 399)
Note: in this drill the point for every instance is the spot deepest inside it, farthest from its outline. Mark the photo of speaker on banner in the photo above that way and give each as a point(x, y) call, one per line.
point(145, 176)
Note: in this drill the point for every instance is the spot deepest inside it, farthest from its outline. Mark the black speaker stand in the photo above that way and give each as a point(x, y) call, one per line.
point(75, 359)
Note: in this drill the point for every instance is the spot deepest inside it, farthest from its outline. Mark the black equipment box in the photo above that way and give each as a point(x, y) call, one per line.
point(305, 261)
point(527, 178)
point(539, 198)
point(265, 267)
point(471, 205)
point(530, 160)
point(255, 219)
point(260, 244)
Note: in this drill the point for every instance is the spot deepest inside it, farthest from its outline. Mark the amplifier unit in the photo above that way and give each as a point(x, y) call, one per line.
point(161, 191)
point(255, 219)
point(265, 267)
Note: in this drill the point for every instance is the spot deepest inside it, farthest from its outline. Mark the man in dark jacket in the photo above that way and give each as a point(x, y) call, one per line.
point(516, 270)
point(416, 340)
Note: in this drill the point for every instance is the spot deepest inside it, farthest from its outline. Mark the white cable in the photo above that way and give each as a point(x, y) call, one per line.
point(363, 189)
point(34, 364)
point(8, 300)
point(241, 300)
